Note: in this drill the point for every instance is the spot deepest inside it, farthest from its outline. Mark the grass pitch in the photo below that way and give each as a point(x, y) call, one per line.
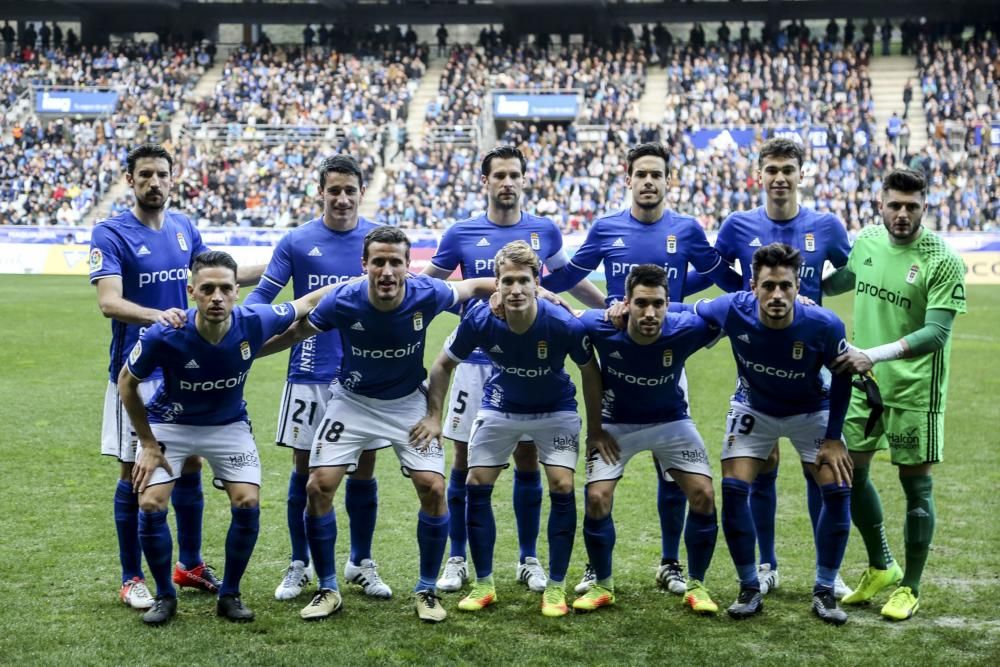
point(59, 571)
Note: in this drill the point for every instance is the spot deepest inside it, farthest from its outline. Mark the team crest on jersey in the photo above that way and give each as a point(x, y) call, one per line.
point(136, 352)
point(536, 244)
point(245, 350)
point(668, 358)
point(182, 242)
point(543, 350)
point(418, 321)
point(912, 274)
point(96, 259)
point(671, 244)
point(810, 242)
point(798, 348)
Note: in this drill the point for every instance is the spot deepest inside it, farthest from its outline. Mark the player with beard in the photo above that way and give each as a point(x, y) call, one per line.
point(649, 233)
point(139, 262)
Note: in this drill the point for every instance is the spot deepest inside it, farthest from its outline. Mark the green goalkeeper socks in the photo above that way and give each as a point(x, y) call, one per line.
point(919, 527)
point(866, 512)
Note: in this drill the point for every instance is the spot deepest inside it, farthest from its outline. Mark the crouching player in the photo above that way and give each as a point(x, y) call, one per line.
point(780, 347)
point(529, 396)
point(199, 410)
point(644, 409)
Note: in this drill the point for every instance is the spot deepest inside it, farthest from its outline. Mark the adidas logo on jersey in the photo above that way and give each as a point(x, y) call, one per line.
point(482, 243)
point(618, 243)
point(143, 250)
point(315, 252)
point(496, 349)
point(357, 326)
point(192, 364)
point(615, 355)
point(743, 337)
point(868, 262)
point(755, 243)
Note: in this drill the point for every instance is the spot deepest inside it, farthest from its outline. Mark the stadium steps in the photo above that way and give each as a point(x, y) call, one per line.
point(369, 205)
point(889, 75)
point(204, 88)
point(653, 102)
point(416, 113)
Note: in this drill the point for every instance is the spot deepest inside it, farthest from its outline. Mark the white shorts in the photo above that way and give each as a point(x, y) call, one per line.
point(752, 434)
point(675, 445)
point(230, 450)
point(117, 437)
point(302, 409)
point(495, 434)
point(353, 423)
point(464, 399)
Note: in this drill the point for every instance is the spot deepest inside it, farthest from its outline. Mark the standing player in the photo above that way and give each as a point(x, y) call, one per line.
point(644, 409)
point(528, 393)
point(908, 287)
point(199, 410)
point(649, 233)
point(139, 262)
point(821, 238)
point(322, 251)
point(470, 245)
point(780, 347)
point(378, 394)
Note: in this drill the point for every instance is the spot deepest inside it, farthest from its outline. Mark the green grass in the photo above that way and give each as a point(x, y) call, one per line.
point(59, 569)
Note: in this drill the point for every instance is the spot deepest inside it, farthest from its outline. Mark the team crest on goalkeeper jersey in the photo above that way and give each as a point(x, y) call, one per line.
point(668, 358)
point(798, 348)
point(543, 350)
point(536, 243)
point(671, 244)
point(245, 350)
point(912, 274)
point(418, 321)
point(182, 242)
point(810, 242)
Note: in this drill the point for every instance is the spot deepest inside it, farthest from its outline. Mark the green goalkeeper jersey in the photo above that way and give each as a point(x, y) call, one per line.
point(895, 286)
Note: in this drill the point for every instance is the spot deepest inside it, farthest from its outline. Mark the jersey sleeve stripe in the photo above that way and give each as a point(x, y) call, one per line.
point(582, 268)
point(94, 279)
point(273, 281)
point(718, 261)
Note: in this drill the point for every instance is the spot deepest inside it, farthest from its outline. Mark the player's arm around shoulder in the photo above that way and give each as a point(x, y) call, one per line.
point(114, 305)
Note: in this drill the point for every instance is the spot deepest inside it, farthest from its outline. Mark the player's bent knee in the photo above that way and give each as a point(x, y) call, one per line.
point(599, 501)
point(321, 484)
point(155, 498)
point(701, 498)
point(243, 496)
point(560, 480)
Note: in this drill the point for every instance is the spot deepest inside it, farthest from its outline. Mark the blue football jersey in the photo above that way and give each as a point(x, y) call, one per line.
point(529, 374)
point(383, 351)
point(470, 245)
point(641, 381)
point(312, 256)
point(620, 242)
point(202, 382)
point(779, 369)
point(819, 236)
point(152, 264)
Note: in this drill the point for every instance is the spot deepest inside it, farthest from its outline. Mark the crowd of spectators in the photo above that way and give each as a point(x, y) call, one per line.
point(254, 184)
point(751, 84)
point(293, 86)
point(54, 172)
